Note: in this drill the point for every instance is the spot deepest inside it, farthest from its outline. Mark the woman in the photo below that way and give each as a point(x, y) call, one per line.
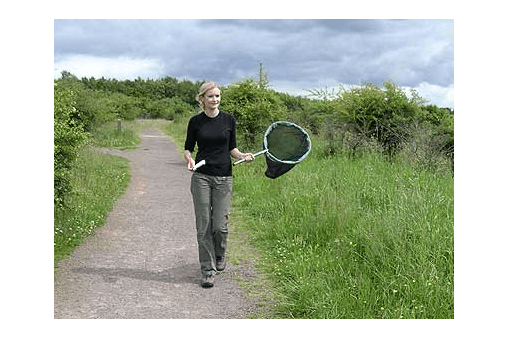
point(211, 185)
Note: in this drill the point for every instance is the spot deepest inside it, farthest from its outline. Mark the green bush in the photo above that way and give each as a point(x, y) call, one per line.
point(385, 120)
point(441, 120)
point(343, 138)
point(167, 108)
point(69, 136)
point(380, 113)
point(99, 106)
point(318, 115)
point(428, 148)
point(255, 108)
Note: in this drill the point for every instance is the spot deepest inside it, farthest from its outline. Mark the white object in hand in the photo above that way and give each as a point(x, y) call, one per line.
point(198, 165)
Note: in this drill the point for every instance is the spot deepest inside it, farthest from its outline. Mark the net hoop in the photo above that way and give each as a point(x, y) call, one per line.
point(289, 124)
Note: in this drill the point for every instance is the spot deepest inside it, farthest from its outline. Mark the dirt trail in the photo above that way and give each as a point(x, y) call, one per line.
point(143, 263)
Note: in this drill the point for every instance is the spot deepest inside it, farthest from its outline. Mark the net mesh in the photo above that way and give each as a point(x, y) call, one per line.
point(287, 142)
point(287, 145)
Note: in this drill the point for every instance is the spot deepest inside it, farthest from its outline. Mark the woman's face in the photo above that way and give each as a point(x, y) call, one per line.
point(211, 99)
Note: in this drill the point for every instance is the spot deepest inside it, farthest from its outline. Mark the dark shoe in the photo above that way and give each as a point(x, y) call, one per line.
point(208, 281)
point(220, 263)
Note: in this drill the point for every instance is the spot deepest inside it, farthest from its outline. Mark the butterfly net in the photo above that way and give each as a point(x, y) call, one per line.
point(287, 145)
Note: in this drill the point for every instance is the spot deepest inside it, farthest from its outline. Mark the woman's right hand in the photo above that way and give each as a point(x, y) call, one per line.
point(190, 164)
point(190, 160)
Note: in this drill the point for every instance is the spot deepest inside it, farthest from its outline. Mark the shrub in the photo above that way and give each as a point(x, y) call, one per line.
point(343, 138)
point(426, 149)
point(382, 114)
point(167, 108)
point(441, 121)
point(255, 108)
point(69, 136)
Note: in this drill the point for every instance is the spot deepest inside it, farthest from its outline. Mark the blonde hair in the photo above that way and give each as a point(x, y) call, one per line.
point(204, 89)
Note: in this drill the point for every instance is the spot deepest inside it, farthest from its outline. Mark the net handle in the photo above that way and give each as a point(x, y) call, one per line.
point(256, 154)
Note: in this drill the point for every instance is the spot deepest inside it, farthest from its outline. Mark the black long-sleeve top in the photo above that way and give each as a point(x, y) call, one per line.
point(215, 137)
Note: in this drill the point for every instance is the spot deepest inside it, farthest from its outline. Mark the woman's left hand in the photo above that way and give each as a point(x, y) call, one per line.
point(242, 156)
point(248, 157)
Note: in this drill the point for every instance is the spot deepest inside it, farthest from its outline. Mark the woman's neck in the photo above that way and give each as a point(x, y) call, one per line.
point(212, 113)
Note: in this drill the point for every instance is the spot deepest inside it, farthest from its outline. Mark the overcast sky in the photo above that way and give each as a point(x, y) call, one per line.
point(298, 55)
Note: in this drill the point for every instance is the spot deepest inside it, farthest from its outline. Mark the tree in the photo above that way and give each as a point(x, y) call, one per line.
point(254, 107)
point(68, 75)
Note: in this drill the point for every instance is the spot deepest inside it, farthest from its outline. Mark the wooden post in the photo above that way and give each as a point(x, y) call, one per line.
point(119, 125)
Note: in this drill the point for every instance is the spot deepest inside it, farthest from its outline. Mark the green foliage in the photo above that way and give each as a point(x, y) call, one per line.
point(318, 114)
point(378, 113)
point(255, 108)
point(441, 121)
point(360, 120)
point(186, 90)
point(167, 108)
point(109, 136)
point(98, 180)
point(166, 87)
point(83, 101)
point(293, 103)
point(69, 136)
point(92, 107)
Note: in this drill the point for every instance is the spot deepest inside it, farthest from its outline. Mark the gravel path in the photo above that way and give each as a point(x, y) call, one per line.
point(143, 263)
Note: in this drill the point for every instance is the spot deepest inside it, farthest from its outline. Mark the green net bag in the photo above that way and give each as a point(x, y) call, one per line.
point(285, 144)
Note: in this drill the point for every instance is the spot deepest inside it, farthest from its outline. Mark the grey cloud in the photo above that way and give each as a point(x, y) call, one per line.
point(300, 25)
point(305, 51)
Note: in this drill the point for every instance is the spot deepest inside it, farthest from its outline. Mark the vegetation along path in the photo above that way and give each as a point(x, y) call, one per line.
point(143, 263)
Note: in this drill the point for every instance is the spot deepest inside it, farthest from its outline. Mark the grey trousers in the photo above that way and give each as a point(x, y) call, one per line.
point(211, 198)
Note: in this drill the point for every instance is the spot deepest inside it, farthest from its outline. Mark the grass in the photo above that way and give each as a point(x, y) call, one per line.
point(109, 136)
point(128, 137)
point(98, 180)
point(353, 238)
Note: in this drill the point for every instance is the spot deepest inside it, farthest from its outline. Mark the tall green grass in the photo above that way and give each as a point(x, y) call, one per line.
point(353, 238)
